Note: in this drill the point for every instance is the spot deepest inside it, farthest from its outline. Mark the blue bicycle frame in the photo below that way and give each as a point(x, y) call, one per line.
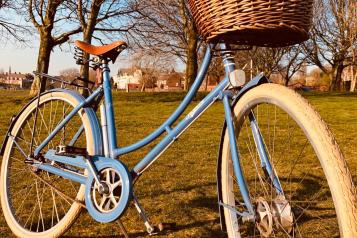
point(221, 92)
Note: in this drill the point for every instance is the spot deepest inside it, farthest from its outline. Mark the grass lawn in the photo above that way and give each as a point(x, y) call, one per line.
point(181, 186)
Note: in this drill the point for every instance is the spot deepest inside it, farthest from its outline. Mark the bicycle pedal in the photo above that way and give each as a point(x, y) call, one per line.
point(29, 161)
point(65, 150)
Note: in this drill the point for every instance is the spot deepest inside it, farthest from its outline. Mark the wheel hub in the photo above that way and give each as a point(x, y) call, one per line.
point(282, 214)
point(104, 189)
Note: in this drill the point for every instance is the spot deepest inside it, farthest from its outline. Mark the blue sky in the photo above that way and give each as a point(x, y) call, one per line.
point(23, 58)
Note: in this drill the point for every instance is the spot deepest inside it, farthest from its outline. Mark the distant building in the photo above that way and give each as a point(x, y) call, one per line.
point(349, 78)
point(128, 79)
point(16, 80)
point(210, 83)
point(349, 73)
point(172, 81)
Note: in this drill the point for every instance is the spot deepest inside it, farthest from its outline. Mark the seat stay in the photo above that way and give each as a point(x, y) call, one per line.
point(87, 101)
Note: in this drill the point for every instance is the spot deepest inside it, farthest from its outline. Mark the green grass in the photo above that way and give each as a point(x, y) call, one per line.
point(181, 186)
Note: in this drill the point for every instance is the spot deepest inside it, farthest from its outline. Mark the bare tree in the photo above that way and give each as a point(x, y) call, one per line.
point(291, 62)
point(52, 19)
point(151, 64)
point(266, 60)
point(167, 27)
point(216, 70)
point(8, 26)
point(104, 17)
point(333, 36)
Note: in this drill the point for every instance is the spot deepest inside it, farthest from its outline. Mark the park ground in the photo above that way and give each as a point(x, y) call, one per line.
point(181, 186)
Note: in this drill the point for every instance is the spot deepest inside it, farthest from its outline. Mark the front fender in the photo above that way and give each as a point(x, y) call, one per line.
point(258, 80)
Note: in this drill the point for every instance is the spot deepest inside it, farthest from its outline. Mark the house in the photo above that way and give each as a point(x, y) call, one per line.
point(210, 83)
point(172, 81)
point(128, 79)
point(16, 80)
point(349, 77)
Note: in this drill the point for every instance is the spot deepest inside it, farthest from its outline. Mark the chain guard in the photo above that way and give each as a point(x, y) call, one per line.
point(123, 196)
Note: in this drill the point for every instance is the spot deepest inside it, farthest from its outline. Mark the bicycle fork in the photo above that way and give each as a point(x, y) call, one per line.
point(235, 156)
point(263, 156)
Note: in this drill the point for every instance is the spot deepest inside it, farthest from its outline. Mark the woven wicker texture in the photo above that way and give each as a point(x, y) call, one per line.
point(253, 22)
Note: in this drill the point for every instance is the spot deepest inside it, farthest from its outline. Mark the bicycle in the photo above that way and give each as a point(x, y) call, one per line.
point(67, 158)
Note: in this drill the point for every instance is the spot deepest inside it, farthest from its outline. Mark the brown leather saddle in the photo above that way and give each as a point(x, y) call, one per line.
point(110, 51)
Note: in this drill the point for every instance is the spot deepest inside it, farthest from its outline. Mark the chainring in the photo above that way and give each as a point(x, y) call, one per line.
point(107, 207)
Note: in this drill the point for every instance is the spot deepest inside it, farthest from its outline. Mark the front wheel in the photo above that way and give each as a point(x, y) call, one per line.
point(318, 197)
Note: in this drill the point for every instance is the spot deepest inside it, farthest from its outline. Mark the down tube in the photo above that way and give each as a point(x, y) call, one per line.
point(181, 127)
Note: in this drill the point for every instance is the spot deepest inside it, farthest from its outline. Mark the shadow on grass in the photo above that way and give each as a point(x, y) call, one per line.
point(210, 232)
point(160, 192)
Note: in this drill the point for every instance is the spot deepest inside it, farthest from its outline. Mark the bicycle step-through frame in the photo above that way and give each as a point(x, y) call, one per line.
point(108, 139)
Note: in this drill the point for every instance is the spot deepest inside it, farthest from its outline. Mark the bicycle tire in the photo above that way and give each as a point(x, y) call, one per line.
point(70, 213)
point(333, 164)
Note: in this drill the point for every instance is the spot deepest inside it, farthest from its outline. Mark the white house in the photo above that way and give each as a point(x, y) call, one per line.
point(127, 77)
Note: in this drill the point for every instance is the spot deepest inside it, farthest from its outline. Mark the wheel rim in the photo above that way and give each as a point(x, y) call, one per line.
point(298, 169)
point(39, 201)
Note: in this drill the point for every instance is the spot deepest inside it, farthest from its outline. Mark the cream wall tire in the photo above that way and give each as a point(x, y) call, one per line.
point(323, 144)
point(59, 221)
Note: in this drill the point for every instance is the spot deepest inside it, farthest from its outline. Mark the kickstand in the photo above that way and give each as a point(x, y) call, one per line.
point(122, 229)
point(149, 228)
point(152, 230)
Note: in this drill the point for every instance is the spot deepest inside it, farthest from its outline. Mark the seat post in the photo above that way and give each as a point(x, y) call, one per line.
point(109, 110)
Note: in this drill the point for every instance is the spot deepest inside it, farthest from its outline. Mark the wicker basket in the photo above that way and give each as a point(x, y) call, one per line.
point(253, 22)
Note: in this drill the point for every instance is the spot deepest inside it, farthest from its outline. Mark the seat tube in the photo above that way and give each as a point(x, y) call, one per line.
point(109, 110)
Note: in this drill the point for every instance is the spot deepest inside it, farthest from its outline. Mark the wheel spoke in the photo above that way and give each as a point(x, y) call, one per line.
point(296, 165)
point(37, 199)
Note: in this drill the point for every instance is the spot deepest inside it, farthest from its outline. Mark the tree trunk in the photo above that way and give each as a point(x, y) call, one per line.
point(84, 71)
point(338, 86)
point(191, 66)
point(287, 79)
point(43, 63)
point(88, 30)
point(332, 80)
point(206, 86)
point(353, 80)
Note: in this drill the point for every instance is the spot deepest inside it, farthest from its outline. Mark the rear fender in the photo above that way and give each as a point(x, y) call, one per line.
point(93, 124)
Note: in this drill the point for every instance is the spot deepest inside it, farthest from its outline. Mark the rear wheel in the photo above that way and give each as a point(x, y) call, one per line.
point(37, 203)
point(319, 196)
